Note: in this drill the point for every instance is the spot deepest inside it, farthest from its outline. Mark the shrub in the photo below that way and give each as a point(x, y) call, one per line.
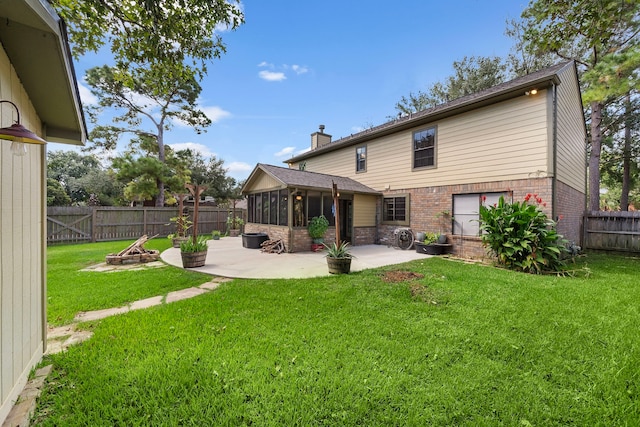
point(318, 225)
point(521, 236)
point(200, 245)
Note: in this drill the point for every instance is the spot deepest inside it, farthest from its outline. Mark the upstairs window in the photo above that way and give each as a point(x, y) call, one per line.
point(424, 148)
point(361, 159)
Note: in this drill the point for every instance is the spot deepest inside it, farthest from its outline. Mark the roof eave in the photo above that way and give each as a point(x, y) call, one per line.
point(35, 39)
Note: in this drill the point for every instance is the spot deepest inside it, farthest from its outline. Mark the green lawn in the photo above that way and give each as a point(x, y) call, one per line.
point(70, 290)
point(463, 345)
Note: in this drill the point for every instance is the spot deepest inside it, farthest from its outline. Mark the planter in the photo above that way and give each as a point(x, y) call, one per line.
point(193, 259)
point(177, 240)
point(253, 240)
point(317, 247)
point(339, 265)
point(234, 232)
point(430, 249)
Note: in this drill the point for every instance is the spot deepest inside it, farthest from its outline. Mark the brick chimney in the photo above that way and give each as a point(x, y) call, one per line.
point(319, 139)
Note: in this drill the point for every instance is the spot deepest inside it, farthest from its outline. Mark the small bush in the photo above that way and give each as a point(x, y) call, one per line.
point(521, 236)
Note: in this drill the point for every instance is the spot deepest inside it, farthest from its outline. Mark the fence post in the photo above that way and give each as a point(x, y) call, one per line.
point(94, 220)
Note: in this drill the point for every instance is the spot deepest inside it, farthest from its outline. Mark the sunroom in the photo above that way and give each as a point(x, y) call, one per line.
point(282, 201)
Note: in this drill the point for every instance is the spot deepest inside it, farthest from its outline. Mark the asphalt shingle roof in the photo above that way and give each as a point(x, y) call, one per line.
point(305, 179)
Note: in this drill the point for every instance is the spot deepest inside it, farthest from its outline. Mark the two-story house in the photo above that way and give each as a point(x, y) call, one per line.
point(432, 170)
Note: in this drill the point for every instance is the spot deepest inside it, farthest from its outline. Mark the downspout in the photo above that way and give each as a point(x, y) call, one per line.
point(554, 209)
point(43, 247)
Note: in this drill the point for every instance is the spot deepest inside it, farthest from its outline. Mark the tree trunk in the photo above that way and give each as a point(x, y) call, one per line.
point(161, 157)
point(594, 157)
point(626, 156)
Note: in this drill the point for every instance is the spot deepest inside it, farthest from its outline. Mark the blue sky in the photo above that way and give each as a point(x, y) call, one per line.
point(295, 65)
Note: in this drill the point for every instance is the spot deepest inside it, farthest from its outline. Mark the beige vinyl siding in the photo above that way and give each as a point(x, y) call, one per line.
point(265, 182)
point(22, 250)
point(505, 141)
point(364, 210)
point(571, 133)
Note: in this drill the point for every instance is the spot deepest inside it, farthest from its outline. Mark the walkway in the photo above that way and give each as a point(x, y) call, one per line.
point(226, 257)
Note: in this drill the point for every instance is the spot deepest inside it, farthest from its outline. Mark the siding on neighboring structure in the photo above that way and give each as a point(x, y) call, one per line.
point(571, 133)
point(364, 210)
point(504, 141)
point(22, 263)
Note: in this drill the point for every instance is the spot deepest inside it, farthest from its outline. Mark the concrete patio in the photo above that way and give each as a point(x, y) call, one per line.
point(227, 258)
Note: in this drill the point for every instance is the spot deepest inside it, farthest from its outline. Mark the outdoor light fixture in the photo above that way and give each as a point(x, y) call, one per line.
point(19, 135)
point(531, 92)
point(298, 196)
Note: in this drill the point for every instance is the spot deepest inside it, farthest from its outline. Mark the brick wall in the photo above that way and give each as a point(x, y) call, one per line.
point(570, 208)
point(428, 203)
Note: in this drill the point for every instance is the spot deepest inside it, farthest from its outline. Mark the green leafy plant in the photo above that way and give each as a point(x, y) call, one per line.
point(430, 238)
point(215, 234)
point(521, 236)
point(199, 245)
point(318, 225)
point(183, 224)
point(234, 221)
point(340, 250)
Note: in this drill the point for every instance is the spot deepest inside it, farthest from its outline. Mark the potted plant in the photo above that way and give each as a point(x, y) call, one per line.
point(183, 223)
point(194, 252)
point(215, 235)
point(317, 226)
point(339, 258)
point(431, 244)
point(234, 223)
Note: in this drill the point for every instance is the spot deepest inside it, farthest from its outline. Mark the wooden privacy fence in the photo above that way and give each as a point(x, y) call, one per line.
point(616, 231)
point(102, 223)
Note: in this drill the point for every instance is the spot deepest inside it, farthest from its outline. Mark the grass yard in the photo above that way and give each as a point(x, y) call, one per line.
point(453, 344)
point(70, 290)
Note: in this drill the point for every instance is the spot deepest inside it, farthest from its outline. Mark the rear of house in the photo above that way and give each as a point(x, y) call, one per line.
point(37, 83)
point(436, 167)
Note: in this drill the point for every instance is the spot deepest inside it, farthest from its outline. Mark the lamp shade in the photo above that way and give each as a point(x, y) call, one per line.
point(18, 133)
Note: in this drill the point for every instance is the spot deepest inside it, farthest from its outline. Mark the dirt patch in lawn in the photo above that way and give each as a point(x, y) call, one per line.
point(397, 276)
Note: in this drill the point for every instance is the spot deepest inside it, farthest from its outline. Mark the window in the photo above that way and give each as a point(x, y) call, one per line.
point(268, 208)
point(466, 211)
point(424, 148)
point(396, 210)
point(361, 159)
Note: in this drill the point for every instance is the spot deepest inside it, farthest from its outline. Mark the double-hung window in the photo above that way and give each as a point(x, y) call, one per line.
point(466, 211)
point(424, 148)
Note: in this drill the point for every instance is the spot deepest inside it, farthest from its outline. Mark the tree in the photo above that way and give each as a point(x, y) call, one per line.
point(588, 32)
point(56, 196)
point(145, 102)
point(141, 170)
point(151, 32)
point(471, 75)
point(211, 174)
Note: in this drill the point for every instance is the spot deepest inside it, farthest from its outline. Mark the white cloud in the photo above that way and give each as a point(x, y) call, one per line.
point(86, 96)
point(271, 76)
point(299, 69)
point(265, 64)
point(303, 150)
point(285, 151)
point(215, 113)
point(239, 167)
point(200, 148)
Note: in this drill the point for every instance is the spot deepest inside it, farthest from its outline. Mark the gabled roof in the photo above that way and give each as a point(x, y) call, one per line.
point(35, 40)
point(538, 80)
point(307, 180)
